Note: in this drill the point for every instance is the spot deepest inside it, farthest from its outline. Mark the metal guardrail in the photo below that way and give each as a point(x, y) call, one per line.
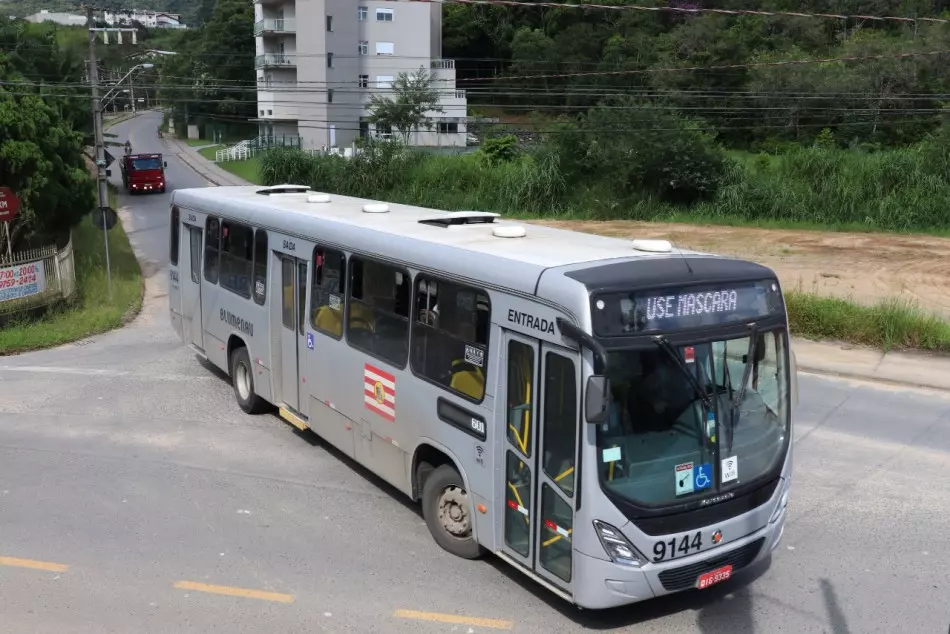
point(274, 59)
point(37, 277)
point(279, 25)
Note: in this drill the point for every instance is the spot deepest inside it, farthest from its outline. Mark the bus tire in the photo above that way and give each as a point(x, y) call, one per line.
point(242, 379)
point(449, 514)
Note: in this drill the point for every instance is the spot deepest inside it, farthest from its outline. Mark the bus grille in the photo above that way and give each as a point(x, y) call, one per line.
point(685, 577)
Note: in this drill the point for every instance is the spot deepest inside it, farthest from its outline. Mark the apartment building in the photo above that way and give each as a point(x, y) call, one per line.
point(319, 61)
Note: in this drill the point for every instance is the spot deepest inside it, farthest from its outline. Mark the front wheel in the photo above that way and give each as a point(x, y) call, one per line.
point(448, 513)
point(242, 378)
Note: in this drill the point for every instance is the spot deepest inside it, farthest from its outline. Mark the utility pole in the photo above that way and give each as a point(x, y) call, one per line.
point(101, 183)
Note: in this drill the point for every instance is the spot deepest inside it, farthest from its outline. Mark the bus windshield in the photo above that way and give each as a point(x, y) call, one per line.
point(146, 164)
point(671, 439)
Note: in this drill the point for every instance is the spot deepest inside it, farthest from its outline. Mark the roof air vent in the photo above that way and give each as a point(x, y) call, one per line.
point(375, 208)
point(318, 198)
point(508, 231)
point(653, 246)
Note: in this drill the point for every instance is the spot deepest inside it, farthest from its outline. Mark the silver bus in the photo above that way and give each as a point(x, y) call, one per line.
point(611, 417)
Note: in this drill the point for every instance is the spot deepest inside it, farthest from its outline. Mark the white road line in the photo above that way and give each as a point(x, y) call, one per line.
point(46, 369)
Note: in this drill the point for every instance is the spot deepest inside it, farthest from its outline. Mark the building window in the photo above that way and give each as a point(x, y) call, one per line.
point(329, 95)
point(237, 257)
point(378, 316)
point(450, 336)
point(364, 81)
point(212, 246)
point(362, 13)
point(384, 15)
point(450, 127)
point(329, 23)
point(328, 291)
point(384, 81)
point(260, 266)
point(385, 48)
point(383, 129)
point(364, 48)
point(329, 60)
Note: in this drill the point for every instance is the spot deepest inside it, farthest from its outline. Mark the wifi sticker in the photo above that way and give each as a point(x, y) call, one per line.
point(479, 451)
point(730, 469)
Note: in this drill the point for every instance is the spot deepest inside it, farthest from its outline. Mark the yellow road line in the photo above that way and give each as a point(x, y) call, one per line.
point(456, 619)
point(32, 563)
point(235, 592)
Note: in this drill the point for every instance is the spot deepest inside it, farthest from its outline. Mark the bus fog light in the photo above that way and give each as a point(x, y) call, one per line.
point(618, 548)
point(782, 503)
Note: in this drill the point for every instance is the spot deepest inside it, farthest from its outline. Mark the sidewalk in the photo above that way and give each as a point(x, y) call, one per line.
point(202, 166)
point(835, 359)
point(915, 369)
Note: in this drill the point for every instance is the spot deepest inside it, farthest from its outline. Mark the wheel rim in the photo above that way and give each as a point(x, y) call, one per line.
point(242, 379)
point(453, 512)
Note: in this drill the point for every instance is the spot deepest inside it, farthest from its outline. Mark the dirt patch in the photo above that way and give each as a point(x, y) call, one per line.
point(863, 267)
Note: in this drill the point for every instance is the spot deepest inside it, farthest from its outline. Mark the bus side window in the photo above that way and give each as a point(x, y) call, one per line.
point(260, 266)
point(237, 258)
point(450, 336)
point(560, 421)
point(212, 247)
point(327, 291)
point(378, 318)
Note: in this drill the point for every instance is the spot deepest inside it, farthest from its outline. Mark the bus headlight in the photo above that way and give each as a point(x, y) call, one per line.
point(783, 501)
point(618, 548)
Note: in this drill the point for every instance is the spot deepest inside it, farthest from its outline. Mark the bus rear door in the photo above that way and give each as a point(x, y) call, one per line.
point(293, 333)
point(541, 413)
point(192, 323)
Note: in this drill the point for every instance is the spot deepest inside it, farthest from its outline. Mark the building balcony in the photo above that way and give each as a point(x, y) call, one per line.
point(274, 60)
point(443, 64)
point(278, 27)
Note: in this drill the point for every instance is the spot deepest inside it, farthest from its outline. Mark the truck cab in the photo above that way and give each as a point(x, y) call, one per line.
point(143, 173)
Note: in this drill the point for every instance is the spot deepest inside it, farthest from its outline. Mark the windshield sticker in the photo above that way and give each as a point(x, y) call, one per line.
point(730, 469)
point(690, 354)
point(684, 478)
point(702, 476)
point(611, 454)
point(335, 302)
point(711, 426)
point(475, 356)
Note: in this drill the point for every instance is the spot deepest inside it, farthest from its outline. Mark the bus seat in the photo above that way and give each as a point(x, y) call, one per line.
point(330, 320)
point(467, 379)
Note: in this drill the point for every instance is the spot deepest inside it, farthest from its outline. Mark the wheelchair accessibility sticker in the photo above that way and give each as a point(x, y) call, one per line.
point(310, 340)
point(692, 477)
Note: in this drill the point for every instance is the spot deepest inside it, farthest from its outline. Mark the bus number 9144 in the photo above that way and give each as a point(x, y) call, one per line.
point(669, 550)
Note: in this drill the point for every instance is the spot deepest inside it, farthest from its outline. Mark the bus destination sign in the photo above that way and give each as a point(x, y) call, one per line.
point(683, 308)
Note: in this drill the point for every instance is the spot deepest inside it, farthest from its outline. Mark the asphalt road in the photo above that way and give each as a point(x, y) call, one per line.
point(136, 497)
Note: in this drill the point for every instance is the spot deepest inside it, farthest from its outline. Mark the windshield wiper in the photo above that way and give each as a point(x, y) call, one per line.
point(665, 345)
point(735, 398)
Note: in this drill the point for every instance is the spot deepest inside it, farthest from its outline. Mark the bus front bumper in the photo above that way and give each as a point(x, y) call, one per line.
point(603, 584)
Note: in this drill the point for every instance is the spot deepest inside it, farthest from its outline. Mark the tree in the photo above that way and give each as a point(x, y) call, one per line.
point(413, 97)
point(41, 160)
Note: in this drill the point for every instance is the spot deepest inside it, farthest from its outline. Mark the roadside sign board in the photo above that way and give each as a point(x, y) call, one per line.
point(9, 204)
point(104, 218)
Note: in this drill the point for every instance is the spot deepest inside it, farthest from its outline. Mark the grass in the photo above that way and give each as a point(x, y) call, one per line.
point(249, 170)
point(210, 152)
point(891, 324)
point(90, 312)
point(199, 142)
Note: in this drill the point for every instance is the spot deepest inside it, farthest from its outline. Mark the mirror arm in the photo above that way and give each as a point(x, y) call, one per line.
point(582, 338)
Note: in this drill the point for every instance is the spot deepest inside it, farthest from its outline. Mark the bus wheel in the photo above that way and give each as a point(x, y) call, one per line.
point(242, 378)
point(448, 513)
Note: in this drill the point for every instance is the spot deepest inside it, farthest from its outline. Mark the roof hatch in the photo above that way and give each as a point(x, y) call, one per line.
point(283, 189)
point(458, 218)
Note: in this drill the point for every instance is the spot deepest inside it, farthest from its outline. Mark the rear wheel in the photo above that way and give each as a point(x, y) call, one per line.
point(448, 513)
point(242, 378)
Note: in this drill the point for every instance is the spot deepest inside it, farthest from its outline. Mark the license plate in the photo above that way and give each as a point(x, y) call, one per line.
point(713, 577)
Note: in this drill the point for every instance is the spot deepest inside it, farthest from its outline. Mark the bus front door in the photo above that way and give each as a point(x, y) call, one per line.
point(293, 333)
point(540, 457)
point(192, 324)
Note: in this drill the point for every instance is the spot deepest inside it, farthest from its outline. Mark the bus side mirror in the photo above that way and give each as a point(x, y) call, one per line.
point(165, 164)
point(596, 399)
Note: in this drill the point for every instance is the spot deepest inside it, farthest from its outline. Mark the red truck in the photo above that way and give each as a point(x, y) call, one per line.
point(143, 173)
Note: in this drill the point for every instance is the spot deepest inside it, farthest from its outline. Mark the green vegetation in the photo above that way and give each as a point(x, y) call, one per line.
point(90, 312)
point(249, 170)
point(676, 178)
point(890, 324)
